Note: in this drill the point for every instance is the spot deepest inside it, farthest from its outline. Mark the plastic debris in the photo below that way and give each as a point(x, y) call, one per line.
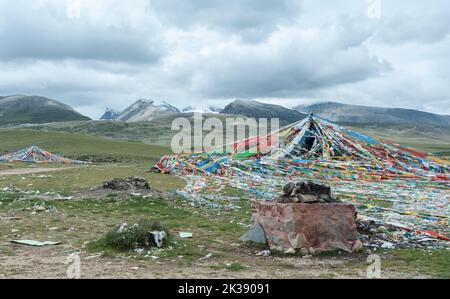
point(35, 243)
point(209, 255)
point(185, 235)
point(264, 253)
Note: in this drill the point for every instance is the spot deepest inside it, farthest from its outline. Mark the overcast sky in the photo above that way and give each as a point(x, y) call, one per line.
point(109, 53)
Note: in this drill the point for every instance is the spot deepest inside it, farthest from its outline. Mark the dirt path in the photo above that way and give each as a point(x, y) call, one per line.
point(22, 171)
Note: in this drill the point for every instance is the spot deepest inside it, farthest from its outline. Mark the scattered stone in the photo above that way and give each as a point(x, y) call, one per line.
point(121, 188)
point(130, 183)
point(256, 235)
point(39, 208)
point(357, 246)
point(306, 192)
point(304, 251)
point(290, 251)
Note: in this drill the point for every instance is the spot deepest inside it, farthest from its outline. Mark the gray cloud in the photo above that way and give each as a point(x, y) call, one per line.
point(33, 30)
point(420, 27)
point(250, 19)
point(288, 63)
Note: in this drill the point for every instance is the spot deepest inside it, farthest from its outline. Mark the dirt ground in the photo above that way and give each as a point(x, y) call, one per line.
point(51, 262)
point(24, 171)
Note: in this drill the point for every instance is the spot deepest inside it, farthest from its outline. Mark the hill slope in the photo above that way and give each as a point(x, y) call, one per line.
point(21, 109)
point(261, 110)
point(343, 113)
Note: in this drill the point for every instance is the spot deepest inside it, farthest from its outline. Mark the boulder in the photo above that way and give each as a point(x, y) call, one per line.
point(309, 227)
point(255, 234)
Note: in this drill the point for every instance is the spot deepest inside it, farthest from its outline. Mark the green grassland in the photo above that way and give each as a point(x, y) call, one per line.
point(421, 137)
point(158, 131)
point(84, 147)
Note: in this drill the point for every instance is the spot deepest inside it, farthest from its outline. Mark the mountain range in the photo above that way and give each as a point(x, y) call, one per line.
point(20, 109)
point(146, 110)
point(356, 114)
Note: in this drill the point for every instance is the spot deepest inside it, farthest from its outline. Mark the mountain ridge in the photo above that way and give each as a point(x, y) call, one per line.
point(23, 109)
point(251, 108)
point(359, 114)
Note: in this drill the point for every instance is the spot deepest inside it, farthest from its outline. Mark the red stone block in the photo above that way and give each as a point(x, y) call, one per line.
point(306, 228)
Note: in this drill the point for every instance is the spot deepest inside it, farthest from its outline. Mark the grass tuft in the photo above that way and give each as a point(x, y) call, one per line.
point(135, 236)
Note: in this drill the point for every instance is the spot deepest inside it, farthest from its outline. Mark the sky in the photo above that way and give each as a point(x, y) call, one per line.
point(94, 54)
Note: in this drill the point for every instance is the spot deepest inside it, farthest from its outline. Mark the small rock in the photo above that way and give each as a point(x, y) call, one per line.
point(287, 190)
point(290, 251)
point(38, 208)
point(304, 251)
point(357, 246)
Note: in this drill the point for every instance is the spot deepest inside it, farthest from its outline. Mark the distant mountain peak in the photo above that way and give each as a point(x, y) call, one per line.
point(22, 109)
point(110, 114)
point(145, 110)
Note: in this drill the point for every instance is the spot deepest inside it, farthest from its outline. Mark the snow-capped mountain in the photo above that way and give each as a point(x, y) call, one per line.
point(206, 109)
point(145, 110)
